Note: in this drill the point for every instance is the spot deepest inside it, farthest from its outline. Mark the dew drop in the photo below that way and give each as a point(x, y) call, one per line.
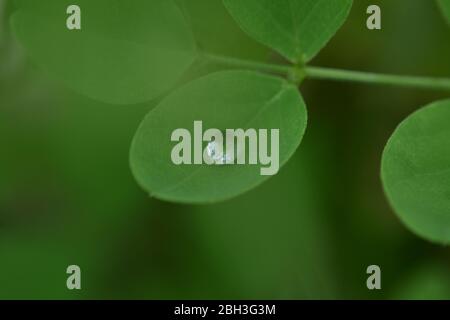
point(215, 153)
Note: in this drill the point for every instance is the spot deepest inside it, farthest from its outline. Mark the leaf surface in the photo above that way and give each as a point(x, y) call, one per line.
point(223, 100)
point(297, 29)
point(416, 171)
point(126, 51)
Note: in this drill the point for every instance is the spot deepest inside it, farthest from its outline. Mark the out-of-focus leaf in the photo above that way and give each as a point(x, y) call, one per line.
point(223, 100)
point(297, 29)
point(416, 171)
point(126, 51)
point(208, 19)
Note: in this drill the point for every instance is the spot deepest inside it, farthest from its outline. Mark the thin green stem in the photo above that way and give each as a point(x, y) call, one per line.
point(248, 64)
point(334, 74)
point(375, 78)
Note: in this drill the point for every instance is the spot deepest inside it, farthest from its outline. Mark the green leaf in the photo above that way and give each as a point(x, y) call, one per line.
point(223, 100)
point(126, 51)
point(297, 29)
point(416, 172)
point(445, 7)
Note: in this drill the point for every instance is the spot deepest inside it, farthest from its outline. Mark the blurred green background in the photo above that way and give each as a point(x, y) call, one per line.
point(67, 195)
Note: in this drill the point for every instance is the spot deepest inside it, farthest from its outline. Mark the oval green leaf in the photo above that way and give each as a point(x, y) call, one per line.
point(445, 7)
point(126, 51)
point(416, 172)
point(297, 29)
point(223, 100)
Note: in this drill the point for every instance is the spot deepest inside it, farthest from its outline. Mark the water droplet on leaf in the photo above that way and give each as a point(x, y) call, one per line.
point(216, 153)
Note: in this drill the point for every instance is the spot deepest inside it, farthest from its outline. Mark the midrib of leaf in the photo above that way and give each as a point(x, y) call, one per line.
point(307, 18)
point(296, 31)
point(278, 25)
point(282, 90)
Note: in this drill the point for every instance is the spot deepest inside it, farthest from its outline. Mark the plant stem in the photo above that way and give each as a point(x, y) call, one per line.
point(375, 78)
point(335, 74)
point(248, 64)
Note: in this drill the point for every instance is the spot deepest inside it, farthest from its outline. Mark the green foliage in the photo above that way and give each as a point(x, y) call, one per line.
point(296, 29)
point(224, 100)
point(416, 171)
point(133, 54)
point(305, 233)
point(445, 7)
point(142, 49)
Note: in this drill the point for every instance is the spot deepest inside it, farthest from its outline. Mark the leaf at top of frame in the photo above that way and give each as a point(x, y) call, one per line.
point(125, 52)
point(297, 29)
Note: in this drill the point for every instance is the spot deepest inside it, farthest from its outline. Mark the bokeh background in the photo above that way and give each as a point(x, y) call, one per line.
point(67, 195)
